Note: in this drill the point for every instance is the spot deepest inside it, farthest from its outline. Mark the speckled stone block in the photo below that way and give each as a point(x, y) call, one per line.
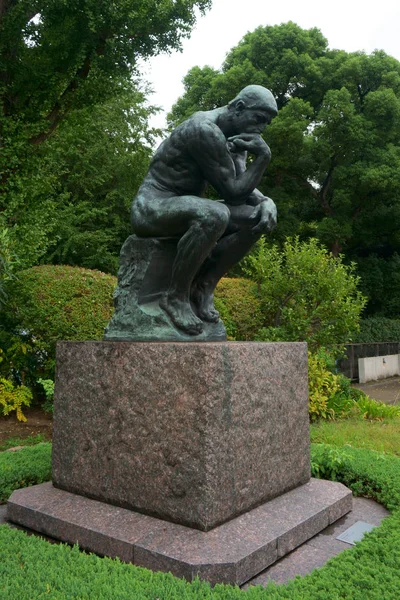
point(233, 552)
point(192, 433)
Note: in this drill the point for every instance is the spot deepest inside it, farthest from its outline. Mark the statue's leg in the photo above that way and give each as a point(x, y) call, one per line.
point(231, 248)
point(201, 223)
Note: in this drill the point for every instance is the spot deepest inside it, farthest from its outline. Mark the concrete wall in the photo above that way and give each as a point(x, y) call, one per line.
point(378, 367)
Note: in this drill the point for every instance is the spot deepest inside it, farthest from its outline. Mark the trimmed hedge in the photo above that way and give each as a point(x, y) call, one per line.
point(23, 468)
point(61, 303)
point(369, 570)
point(50, 303)
point(240, 308)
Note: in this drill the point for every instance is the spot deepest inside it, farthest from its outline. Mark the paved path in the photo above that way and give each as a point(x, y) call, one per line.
point(384, 390)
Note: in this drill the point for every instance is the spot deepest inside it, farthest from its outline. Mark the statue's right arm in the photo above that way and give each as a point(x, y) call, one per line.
point(209, 149)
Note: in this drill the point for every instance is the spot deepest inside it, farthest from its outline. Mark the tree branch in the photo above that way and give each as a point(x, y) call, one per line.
point(323, 194)
point(302, 181)
point(61, 107)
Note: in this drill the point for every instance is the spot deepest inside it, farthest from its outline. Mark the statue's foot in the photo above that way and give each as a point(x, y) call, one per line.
point(204, 304)
point(181, 315)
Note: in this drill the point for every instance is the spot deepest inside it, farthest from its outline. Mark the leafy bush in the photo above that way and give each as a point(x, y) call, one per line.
point(371, 409)
point(48, 386)
point(305, 293)
point(331, 395)
point(46, 304)
point(369, 570)
point(24, 467)
point(322, 386)
point(378, 329)
point(239, 306)
point(13, 397)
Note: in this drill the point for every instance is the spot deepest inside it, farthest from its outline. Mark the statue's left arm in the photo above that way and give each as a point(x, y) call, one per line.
point(265, 210)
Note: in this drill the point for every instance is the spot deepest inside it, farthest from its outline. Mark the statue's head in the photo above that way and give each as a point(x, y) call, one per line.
point(252, 109)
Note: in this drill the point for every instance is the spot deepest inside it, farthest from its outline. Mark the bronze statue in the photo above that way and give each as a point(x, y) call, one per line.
point(211, 236)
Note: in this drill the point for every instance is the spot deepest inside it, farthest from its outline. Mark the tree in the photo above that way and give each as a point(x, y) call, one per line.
point(78, 190)
point(61, 56)
point(335, 171)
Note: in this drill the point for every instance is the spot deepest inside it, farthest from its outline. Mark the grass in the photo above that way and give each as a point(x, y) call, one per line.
point(31, 440)
point(382, 436)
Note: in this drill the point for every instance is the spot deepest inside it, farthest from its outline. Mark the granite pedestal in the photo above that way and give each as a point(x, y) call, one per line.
point(186, 457)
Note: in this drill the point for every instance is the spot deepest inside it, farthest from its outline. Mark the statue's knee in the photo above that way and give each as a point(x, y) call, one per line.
point(221, 217)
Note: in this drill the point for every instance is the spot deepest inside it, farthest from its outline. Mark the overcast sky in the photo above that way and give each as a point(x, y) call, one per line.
point(347, 24)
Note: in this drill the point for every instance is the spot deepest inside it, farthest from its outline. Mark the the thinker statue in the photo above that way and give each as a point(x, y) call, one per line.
point(211, 236)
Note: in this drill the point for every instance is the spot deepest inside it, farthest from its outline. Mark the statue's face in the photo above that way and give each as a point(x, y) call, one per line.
point(252, 119)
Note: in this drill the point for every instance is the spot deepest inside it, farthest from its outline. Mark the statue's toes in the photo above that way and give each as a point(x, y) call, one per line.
point(193, 328)
point(211, 316)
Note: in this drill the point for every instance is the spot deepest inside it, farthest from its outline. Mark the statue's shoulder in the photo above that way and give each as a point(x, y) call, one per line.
point(202, 125)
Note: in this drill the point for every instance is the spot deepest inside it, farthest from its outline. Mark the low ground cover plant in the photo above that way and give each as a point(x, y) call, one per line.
point(25, 467)
point(369, 570)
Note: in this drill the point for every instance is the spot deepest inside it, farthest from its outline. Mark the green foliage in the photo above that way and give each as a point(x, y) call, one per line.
point(239, 306)
point(73, 201)
point(322, 386)
point(306, 294)
point(48, 386)
point(378, 329)
point(371, 409)
point(332, 397)
point(28, 466)
point(8, 262)
point(380, 282)
point(73, 65)
point(329, 464)
point(366, 472)
point(47, 304)
point(335, 169)
point(369, 570)
point(14, 397)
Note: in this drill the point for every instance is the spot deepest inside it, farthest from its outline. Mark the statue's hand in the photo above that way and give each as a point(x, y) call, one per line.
point(266, 216)
point(251, 142)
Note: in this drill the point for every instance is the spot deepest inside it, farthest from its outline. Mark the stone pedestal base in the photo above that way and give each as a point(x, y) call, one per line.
point(231, 553)
point(191, 433)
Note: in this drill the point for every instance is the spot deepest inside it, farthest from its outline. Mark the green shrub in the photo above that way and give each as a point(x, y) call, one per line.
point(305, 293)
point(50, 303)
point(378, 329)
point(25, 467)
point(322, 386)
point(371, 409)
point(239, 306)
point(48, 386)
